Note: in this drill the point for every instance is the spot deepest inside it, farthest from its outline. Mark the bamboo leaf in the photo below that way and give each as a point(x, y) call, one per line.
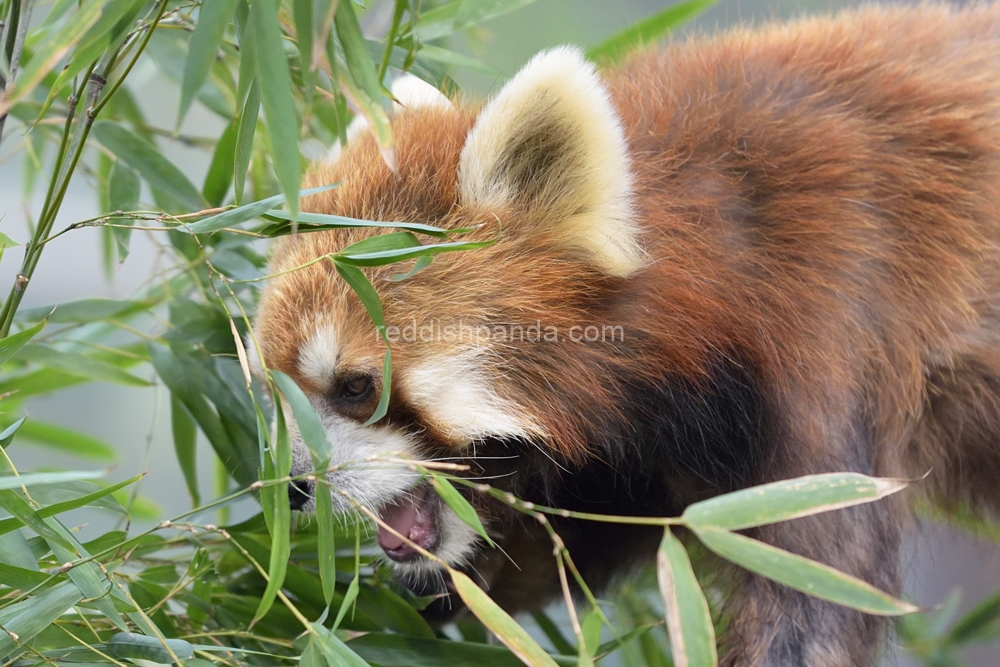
point(11, 523)
point(692, 635)
point(213, 18)
point(646, 31)
point(320, 221)
point(10, 345)
point(124, 189)
point(458, 504)
point(327, 544)
point(802, 574)
point(310, 428)
point(145, 158)
point(276, 95)
point(35, 478)
point(335, 651)
point(140, 647)
point(383, 257)
point(185, 440)
point(241, 214)
point(349, 598)
point(85, 311)
point(500, 623)
point(220, 170)
point(29, 617)
point(450, 17)
point(244, 139)
point(278, 513)
point(67, 440)
point(80, 364)
point(790, 499)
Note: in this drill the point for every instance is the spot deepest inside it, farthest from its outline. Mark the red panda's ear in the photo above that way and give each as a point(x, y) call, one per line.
point(550, 142)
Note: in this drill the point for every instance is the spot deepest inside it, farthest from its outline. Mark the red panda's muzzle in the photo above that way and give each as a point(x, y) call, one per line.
point(414, 515)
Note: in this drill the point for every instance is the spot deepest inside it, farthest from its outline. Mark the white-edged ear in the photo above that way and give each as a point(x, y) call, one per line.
point(412, 92)
point(551, 142)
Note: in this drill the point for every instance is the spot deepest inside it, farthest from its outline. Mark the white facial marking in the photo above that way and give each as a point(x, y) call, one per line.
point(456, 396)
point(318, 358)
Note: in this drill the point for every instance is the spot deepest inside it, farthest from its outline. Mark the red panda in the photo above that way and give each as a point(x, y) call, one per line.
point(731, 261)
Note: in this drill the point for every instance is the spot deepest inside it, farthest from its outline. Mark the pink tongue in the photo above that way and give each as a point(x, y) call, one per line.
point(402, 518)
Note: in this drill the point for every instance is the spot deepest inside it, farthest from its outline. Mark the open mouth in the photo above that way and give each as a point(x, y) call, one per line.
point(413, 515)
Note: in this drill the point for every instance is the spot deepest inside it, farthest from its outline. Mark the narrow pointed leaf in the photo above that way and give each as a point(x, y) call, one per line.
point(327, 541)
point(646, 31)
point(310, 428)
point(692, 635)
point(241, 214)
point(145, 158)
point(10, 345)
point(124, 189)
point(500, 623)
point(802, 574)
point(244, 139)
point(185, 434)
point(459, 505)
point(790, 499)
point(276, 95)
point(213, 18)
point(29, 617)
point(321, 221)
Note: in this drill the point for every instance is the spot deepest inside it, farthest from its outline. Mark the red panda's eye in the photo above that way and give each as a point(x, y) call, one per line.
point(356, 386)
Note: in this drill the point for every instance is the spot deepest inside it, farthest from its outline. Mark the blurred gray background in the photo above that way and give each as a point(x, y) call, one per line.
point(137, 422)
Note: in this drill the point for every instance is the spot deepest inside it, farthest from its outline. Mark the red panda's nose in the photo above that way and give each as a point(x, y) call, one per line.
point(299, 493)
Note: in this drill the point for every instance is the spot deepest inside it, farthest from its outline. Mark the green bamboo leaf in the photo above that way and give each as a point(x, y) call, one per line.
point(208, 31)
point(312, 655)
point(383, 242)
point(27, 618)
point(10, 345)
point(320, 221)
point(800, 573)
point(335, 651)
point(646, 31)
point(117, 16)
point(383, 257)
point(182, 427)
point(124, 189)
point(87, 576)
point(349, 598)
point(35, 478)
point(327, 541)
point(24, 579)
point(85, 311)
point(244, 139)
point(450, 17)
point(278, 513)
point(310, 428)
point(276, 95)
point(241, 214)
point(7, 436)
point(79, 364)
point(67, 440)
point(455, 59)
point(359, 61)
point(790, 499)
point(145, 158)
point(590, 630)
point(400, 650)
point(458, 504)
point(140, 647)
point(369, 299)
point(372, 110)
point(692, 635)
point(978, 624)
point(500, 623)
point(56, 46)
point(11, 523)
point(6, 242)
point(418, 266)
point(220, 171)
point(18, 507)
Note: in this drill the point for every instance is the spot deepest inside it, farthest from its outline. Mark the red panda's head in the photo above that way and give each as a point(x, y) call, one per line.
point(544, 164)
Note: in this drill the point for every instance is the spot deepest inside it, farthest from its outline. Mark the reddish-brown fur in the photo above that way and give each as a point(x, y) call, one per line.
point(821, 205)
